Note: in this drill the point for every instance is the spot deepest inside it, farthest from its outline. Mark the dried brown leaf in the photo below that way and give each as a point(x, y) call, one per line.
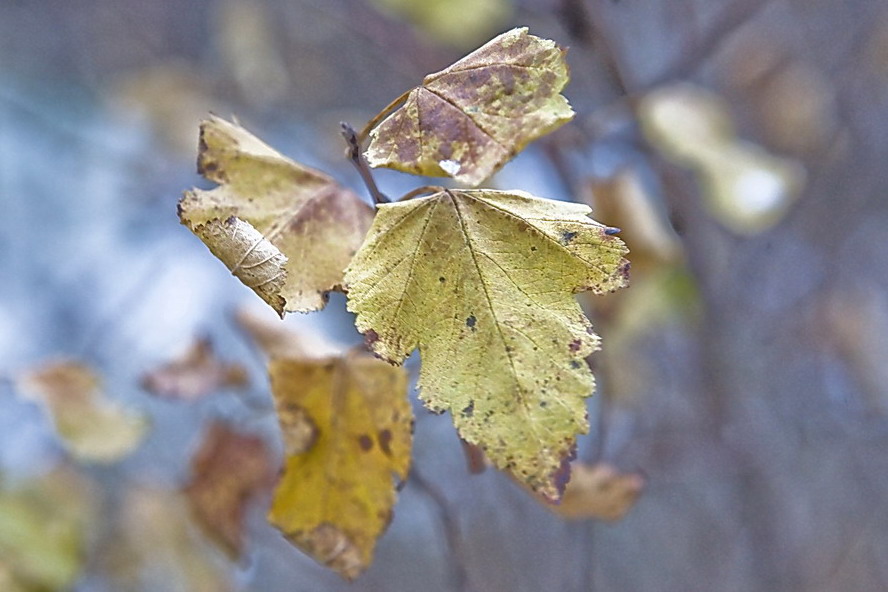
point(598, 491)
point(228, 471)
point(285, 230)
point(469, 119)
point(195, 374)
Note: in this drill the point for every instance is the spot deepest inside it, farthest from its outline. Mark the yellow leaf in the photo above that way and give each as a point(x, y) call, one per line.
point(347, 428)
point(483, 283)
point(285, 230)
point(469, 119)
point(91, 426)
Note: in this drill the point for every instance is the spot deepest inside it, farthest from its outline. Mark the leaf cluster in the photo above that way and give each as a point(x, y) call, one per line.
point(481, 282)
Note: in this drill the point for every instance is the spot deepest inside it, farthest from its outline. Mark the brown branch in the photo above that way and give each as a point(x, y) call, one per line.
point(357, 158)
point(449, 523)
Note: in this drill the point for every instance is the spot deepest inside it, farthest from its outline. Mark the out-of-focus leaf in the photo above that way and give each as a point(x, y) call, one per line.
point(171, 97)
point(461, 23)
point(624, 203)
point(745, 188)
point(469, 119)
point(483, 283)
point(598, 491)
point(228, 471)
point(285, 230)
point(92, 426)
point(245, 38)
point(347, 427)
point(43, 526)
point(273, 337)
point(197, 373)
point(156, 546)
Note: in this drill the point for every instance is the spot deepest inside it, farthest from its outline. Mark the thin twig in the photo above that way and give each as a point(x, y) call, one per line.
point(357, 159)
point(450, 525)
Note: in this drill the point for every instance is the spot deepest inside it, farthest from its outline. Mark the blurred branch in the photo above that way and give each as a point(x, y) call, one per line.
point(450, 524)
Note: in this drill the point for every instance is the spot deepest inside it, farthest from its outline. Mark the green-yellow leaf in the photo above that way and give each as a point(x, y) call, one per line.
point(347, 427)
point(469, 119)
point(285, 230)
point(483, 283)
point(44, 525)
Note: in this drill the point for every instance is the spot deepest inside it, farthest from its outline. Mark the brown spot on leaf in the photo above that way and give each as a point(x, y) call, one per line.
point(385, 441)
point(371, 337)
point(567, 236)
point(470, 322)
point(575, 345)
point(365, 442)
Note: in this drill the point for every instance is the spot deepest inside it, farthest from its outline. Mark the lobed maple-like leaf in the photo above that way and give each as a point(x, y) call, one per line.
point(469, 119)
point(285, 230)
point(347, 427)
point(483, 283)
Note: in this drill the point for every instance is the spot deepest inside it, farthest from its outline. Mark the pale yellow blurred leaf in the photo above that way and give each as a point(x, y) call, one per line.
point(91, 426)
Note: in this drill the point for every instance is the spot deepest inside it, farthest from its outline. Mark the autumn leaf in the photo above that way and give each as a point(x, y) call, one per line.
point(483, 283)
point(272, 336)
point(229, 470)
point(44, 530)
point(347, 427)
point(195, 374)
point(746, 188)
point(154, 546)
point(469, 119)
point(460, 23)
point(92, 426)
point(285, 230)
point(598, 491)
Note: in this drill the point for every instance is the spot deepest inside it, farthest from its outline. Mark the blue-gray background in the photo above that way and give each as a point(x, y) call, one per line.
point(760, 425)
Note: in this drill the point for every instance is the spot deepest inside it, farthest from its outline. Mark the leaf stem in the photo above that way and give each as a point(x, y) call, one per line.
point(357, 159)
point(386, 111)
point(420, 191)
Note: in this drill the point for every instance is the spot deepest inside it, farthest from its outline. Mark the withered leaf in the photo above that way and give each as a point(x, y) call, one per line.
point(598, 491)
point(285, 230)
point(92, 427)
point(197, 373)
point(469, 119)
point(347, 427)
point(483, 283)
point(228, 471)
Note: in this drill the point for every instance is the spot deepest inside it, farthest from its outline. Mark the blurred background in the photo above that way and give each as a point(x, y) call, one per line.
point(741, 145)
